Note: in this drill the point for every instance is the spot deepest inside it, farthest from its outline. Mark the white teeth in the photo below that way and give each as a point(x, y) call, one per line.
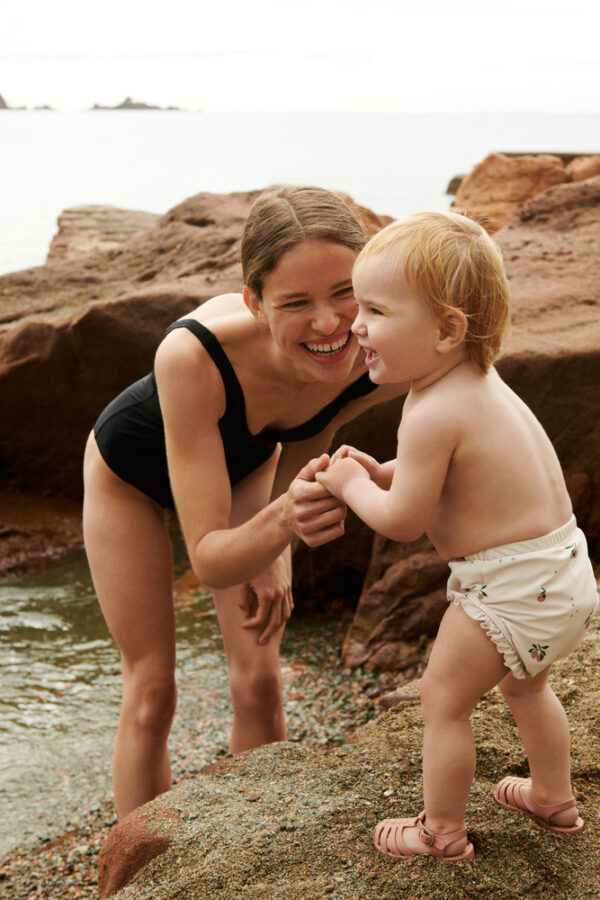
point(328, 348)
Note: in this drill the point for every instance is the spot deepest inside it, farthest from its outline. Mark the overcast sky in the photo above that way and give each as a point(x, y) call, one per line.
point(255, 55)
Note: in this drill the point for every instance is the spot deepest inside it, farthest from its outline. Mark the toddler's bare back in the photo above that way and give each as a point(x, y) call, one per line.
point(504, 482)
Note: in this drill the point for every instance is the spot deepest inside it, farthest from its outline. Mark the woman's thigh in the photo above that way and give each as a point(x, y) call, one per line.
point(129, 554)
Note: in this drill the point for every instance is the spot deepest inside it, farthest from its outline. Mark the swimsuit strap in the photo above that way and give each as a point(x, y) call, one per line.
point(320, 420)
point(235, 394)
point(233, 388)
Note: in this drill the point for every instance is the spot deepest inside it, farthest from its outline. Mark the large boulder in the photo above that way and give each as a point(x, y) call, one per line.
point(290, 823)
point(85, 229)
point(498, 184)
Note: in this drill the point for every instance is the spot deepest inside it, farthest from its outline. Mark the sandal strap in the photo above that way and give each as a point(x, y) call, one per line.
point(439, 841)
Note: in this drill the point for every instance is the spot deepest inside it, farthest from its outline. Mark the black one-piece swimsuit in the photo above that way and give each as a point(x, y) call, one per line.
point(131, 437)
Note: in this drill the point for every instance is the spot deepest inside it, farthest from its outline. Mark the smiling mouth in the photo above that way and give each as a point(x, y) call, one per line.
point(324, 348)
point(370, 355)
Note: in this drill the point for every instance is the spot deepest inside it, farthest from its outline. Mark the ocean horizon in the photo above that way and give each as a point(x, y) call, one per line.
point(393, 163)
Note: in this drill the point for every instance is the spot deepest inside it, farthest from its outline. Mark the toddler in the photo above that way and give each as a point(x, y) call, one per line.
point(475, 470)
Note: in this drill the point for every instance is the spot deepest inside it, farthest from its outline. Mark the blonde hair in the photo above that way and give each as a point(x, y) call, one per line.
point(451, 262)
point(286, 215)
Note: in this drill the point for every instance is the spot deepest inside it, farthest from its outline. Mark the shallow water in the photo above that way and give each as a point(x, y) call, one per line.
point(61, 683)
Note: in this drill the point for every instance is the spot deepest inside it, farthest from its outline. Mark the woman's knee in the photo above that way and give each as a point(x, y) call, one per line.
point(257, 684)
point(150, 701)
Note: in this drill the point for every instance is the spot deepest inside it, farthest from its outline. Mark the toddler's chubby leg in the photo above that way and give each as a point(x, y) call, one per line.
point(544, 731)
point(464, 665)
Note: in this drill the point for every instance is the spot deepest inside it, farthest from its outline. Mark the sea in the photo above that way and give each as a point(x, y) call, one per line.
point(394, 163)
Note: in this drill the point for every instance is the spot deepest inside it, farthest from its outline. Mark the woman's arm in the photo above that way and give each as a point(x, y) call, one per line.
point(192, 398)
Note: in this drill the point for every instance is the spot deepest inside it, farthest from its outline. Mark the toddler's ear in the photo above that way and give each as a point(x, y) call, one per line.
point(453, 330)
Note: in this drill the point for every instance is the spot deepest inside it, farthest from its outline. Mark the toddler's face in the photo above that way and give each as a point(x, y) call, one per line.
point(397, 330)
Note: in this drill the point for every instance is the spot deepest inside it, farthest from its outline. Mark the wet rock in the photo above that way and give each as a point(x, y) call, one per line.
point(35, 530)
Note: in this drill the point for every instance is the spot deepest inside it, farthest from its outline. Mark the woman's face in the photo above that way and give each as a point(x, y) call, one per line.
point(308, 303)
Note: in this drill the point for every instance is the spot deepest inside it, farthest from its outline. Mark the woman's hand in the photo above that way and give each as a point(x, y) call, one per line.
point(310, 510)
point(376, 470)
point(340, 473)
point(268, 602)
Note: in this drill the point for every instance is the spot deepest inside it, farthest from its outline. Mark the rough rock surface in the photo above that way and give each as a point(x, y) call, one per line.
point(495, 186)
point(34, 530)
point(583, 167)
point(289, 823)
point(84, 229)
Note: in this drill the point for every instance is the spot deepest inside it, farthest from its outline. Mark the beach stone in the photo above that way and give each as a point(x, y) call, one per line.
point(498, 184)
point(84, 229)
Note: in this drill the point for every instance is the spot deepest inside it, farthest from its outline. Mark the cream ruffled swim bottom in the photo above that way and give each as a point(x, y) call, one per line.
point(533, 598)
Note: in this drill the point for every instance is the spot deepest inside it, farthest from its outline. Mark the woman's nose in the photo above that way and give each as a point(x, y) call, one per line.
point(326, 319)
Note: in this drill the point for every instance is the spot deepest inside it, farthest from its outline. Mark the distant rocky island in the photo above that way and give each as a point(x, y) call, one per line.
point(128, 103)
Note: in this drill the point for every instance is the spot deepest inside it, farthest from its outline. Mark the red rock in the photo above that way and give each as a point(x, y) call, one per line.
point(130, 845)
point(583, 167)
point(85, 229)
point(498, 184)
point(398, 614)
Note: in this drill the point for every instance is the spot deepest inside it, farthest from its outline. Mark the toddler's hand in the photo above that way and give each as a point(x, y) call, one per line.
point(367, 462)
point(339, 474)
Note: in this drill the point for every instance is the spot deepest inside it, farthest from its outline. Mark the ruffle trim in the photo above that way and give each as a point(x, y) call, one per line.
point(480, 614)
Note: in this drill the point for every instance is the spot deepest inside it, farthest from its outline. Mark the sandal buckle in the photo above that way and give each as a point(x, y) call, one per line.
point(426, 836)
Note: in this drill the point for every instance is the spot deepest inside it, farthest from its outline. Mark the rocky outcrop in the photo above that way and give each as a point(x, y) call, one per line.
point(128, 103)
point(3, 104)
point(498, 184)
point(290, 823)
point(583, 167)
point(86, 229)
point(35, 530)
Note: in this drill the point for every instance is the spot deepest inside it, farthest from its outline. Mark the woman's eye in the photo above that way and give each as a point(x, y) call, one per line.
point(293, 304)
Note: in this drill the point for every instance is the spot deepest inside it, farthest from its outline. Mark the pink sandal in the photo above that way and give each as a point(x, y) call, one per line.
point(511, 794)
point(388, 838)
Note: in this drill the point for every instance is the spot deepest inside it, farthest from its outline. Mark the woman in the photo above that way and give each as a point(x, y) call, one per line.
point(237, 378)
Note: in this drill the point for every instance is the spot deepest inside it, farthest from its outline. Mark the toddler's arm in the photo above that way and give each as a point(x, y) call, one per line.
point(426, 442)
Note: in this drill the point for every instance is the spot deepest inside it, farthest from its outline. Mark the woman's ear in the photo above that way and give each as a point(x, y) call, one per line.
point(254, 305)
point(453, 330)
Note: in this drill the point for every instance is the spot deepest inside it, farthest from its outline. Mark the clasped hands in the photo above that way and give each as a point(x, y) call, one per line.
point(315, 512)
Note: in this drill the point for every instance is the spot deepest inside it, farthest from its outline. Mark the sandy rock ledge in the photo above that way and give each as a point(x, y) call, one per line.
point(288, 823)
